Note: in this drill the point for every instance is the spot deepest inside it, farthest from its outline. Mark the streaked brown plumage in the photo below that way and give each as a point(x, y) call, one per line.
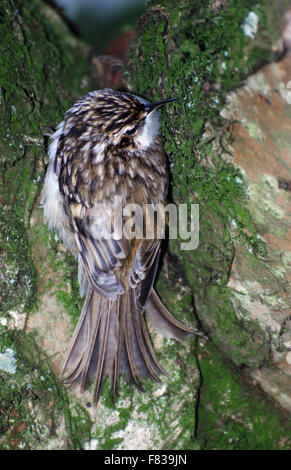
point(109, 145)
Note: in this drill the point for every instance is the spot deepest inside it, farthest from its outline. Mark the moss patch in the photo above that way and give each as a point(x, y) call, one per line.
point(232, 414)
point(195, 53)
point(198, 54)
point(34, 409)
point(42, 71)
point(38, 80)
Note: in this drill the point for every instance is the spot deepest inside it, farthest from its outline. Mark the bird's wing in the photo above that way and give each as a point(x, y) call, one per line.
point(101, 254)
point(144, 269)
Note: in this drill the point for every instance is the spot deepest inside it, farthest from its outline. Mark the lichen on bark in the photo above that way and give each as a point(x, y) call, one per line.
point(193, 51)
point(38, 80)
point(199, 52)
point(198, 56)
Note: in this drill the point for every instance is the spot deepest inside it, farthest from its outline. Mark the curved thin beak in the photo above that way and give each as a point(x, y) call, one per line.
point(152, 107)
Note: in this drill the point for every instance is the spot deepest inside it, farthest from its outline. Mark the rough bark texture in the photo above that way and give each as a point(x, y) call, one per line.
point(42, 69)
point(227, 142)
point(230, 153)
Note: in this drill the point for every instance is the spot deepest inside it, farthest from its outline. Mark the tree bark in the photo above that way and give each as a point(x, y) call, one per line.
point(229, 153)
point(225, 155)
point(43, 69)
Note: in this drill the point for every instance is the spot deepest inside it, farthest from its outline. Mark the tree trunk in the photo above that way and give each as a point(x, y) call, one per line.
point(43, 69)
point(228, 152)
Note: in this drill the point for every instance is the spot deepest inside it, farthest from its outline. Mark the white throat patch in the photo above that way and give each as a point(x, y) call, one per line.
point(150, 130)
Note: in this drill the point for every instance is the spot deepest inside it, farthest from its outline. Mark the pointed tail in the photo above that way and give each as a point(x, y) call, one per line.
point(165, 323)
point(111, 339)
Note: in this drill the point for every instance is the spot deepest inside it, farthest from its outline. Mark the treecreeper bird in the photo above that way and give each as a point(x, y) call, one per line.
point(107, 146)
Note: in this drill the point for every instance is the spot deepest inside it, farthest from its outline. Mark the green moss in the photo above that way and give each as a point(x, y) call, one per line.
point(67, 287)
point(186, 51)
point(41, 72)
point(38, 80)
point(33, 403)
point(197, 54)
point(240, 338)
point(194, 53)
point(232, 415)
point(17, 274)
point(81, 426)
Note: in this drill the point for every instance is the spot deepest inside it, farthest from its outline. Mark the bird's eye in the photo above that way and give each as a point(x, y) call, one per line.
point(131, 131)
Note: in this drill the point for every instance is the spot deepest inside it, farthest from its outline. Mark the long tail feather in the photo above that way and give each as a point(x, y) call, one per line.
point(130, 342)
point(105, 348)
point(151, 363)
point(112, 340)
point(164, 321)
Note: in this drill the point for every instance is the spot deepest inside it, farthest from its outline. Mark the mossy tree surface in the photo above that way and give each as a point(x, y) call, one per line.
point(192, 51)
point(38, 81)
point(197, 51)
point(42, 73)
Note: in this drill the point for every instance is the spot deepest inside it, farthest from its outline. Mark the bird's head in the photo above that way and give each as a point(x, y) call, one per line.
point(121, 118)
